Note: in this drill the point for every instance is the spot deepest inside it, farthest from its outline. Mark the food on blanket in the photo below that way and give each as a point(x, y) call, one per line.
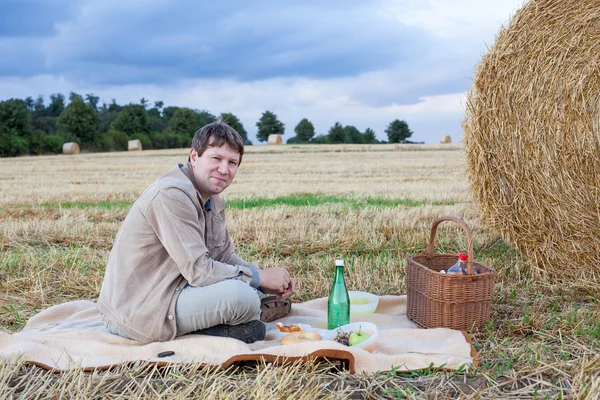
point(342, 337)
point(358, 337)
point(288, 328)
point(300, 337)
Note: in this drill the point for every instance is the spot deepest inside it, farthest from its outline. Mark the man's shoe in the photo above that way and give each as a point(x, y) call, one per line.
point(272, 309)
point(248, 332)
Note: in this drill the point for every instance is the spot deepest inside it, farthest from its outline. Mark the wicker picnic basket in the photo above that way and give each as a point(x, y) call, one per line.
point(450, 301)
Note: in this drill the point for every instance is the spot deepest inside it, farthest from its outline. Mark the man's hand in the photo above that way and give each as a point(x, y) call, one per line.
point(276, 280)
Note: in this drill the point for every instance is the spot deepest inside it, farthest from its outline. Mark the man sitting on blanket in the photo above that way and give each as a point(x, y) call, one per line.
point(173, 269)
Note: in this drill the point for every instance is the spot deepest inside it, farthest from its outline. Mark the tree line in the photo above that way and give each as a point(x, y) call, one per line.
point(29, 126)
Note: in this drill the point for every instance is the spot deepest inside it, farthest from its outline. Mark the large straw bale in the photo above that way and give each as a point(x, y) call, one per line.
point(532, 136)
point(134, 145)
point(70, 148)
point(446, 140)
point(274, 139)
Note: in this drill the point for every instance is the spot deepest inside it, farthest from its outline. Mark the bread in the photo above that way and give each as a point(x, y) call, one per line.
point(300, 337)
point(288, 328)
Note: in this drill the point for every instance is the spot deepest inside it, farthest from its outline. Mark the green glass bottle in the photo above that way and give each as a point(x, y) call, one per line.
point(338, 306)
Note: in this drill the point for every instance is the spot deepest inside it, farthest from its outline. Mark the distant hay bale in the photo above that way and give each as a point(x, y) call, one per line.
point(446, 140)
point(532, 136)
point(134, 145)
point(70, 148)
point(274, 139)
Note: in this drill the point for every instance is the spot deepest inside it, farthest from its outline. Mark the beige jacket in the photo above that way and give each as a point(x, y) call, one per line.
point(166, 241)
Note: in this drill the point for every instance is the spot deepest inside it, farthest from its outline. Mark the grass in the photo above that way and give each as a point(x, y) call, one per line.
point(310, 199)
point(106, 205)
point(294, 200)
point(301, 208)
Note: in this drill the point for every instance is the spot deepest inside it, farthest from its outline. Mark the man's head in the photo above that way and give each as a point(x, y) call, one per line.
point(217, 134)
point(215, 155)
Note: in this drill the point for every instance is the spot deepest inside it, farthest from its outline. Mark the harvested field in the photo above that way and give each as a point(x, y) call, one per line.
point(302, 207)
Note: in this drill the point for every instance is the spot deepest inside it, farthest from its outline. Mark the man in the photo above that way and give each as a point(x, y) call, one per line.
point(173, 269)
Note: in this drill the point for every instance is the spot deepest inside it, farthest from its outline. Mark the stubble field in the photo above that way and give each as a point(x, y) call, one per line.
point(301, 207)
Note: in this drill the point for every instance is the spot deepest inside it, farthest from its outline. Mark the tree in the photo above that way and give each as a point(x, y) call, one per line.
point(369, 136)
point(204, 118)
point(154, 112)
point(14, 127)
point(119, 139)
point(39, 108)
point(43, 118)
point(236, 124)
point(29, 102)
point(57, 105)
point(269, 125)
point(398, 131)
point(107, 115)
point(353, 135)
point(14, 117)
point(11, 144)
point(72, 95)
point(36, 141)
point(337, 134)
point(305, 131)
point(133, 118)
point(320, 139)
point(78, 122)
point(168, 113)
point(184, 120)
point(157, 124)
point(114, 107)
point(46, 124)
point(92, 101)
point(53, 143)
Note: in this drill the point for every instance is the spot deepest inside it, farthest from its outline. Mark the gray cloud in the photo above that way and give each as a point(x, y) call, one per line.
point(165, 42)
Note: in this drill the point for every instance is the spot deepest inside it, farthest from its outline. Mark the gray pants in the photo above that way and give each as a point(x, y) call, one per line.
point(230, 302)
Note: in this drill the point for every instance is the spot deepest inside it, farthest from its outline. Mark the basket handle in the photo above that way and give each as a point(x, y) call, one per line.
point(430, 251)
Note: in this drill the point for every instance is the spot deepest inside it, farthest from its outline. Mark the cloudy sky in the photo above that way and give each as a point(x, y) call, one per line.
point(362, 63)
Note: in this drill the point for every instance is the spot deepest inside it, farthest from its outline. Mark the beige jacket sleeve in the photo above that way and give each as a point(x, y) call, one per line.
point(181, 230)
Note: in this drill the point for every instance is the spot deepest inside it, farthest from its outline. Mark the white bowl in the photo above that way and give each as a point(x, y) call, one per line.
point(362, 302)
point(368, 345)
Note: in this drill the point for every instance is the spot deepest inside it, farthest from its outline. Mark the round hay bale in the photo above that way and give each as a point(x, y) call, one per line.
point(446, 140)
point(134, 145)
point(70, 148)
point(274, 139)
point(532, 136)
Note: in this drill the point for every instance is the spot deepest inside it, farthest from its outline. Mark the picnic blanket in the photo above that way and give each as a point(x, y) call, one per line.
point(72, 335)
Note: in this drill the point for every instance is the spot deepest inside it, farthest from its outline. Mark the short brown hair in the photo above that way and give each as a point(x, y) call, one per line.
point(216, 134)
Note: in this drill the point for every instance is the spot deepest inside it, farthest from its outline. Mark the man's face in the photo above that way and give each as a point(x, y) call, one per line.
point(214, 170)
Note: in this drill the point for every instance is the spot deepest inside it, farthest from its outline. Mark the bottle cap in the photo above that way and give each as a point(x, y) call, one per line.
point(339, 263)
point(463, 256)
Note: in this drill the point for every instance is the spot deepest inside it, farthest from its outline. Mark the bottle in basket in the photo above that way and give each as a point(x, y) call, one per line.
point(460, 268)
point(338, 306)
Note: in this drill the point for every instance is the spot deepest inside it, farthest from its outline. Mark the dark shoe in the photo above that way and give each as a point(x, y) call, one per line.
point(272, 309)
point(248, 332)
